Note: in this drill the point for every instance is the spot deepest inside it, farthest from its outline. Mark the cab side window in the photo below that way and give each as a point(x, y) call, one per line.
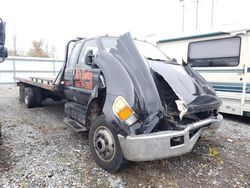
point(88, 45)
point(74, 55)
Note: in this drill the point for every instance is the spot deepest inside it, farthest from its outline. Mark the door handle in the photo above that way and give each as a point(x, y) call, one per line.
point(244, 69)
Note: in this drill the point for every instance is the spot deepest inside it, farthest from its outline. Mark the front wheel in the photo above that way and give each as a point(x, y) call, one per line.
point(105, 146)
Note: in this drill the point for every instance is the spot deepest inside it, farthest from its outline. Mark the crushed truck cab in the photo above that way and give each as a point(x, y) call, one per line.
point(136, 103)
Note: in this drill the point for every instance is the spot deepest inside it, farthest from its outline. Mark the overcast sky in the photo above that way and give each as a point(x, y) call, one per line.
point(58, 21)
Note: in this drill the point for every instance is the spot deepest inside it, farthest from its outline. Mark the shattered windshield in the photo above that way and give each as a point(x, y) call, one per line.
point(148, 50)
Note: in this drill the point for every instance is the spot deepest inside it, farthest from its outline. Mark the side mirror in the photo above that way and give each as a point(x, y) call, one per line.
point(174, 61)
point(89, 57)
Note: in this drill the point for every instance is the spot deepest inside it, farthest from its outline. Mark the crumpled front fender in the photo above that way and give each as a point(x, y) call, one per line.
point(118, 83)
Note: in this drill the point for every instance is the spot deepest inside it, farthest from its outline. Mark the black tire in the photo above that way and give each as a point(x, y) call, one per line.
point(38, 97)
point(29, 98)
point(117, 162)
point(21, 93)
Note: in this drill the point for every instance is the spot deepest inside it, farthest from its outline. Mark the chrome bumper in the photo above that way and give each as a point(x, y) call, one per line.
point(147, 147)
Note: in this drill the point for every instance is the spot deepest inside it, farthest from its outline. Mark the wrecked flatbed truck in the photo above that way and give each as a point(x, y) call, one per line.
point(136, 103)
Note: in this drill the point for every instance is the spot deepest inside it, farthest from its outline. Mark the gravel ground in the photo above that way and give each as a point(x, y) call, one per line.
point(39, 150)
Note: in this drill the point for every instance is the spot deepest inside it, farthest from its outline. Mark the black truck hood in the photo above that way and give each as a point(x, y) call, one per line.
point(129, 74)
point(188, 85)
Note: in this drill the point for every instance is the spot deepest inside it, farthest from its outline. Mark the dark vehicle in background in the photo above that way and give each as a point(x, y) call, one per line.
point(3, 52)
point(136, 103)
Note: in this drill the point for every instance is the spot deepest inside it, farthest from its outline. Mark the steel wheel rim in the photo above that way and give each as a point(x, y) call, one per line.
point(104, 144)
point(26, 100)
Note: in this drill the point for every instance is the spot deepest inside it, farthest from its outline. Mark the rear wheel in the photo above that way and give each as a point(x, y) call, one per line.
point(105, 146)
point(29, 97)
point(21, 92)
point(38, 97)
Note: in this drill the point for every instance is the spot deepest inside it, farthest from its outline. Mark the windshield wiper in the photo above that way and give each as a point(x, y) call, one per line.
point(152, 59)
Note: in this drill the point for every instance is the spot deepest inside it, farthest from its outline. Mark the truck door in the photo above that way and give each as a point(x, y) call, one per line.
point(86, 76)
point(71, 70)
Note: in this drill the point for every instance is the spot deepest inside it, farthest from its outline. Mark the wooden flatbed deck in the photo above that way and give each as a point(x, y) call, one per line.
point(45, 83)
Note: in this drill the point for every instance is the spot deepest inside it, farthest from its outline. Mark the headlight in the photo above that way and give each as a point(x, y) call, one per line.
point(123, 111)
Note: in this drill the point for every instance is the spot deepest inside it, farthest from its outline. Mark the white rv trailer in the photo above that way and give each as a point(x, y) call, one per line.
point(223, 59)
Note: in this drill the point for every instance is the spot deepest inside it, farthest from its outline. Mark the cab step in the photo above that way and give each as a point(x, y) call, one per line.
point(75, 125)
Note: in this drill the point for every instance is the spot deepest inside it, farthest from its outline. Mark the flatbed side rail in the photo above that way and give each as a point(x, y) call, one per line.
point(38, 82)
point(42, 80)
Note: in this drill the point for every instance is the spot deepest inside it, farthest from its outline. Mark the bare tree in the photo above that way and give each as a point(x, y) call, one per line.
point(38, 49)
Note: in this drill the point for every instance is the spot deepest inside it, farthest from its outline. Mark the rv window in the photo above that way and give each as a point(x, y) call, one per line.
point(214, 53)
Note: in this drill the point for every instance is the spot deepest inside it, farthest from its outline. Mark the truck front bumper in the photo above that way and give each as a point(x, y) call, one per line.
point(159, 145)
